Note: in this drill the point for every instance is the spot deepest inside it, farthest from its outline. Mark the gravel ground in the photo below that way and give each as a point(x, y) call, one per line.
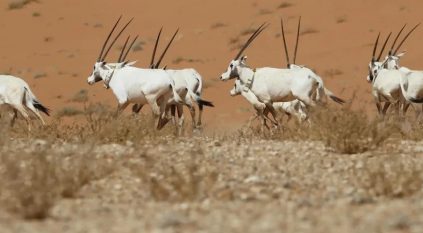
point(205, 184)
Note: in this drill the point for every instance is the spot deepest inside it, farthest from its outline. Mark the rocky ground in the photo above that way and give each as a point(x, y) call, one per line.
point(224, 184)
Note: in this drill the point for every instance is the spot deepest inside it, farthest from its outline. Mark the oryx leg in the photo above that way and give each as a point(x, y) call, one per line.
point(173, 113)
point(191, 108)
point(379, 109)
point(36, 112)
point(24, 113)
point(160, 106)
point(385, 108)
point(136, 108)
point(181, 117)
point(200, 114)
point(15, 115)
point(152, 101)
point(121, 107)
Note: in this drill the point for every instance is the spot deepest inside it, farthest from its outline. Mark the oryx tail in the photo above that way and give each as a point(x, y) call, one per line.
point(322, 91)
point(29, 98)
point(200, 102)
point(197, 95)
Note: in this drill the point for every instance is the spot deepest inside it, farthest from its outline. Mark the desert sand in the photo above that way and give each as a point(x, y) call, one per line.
point(53, 44)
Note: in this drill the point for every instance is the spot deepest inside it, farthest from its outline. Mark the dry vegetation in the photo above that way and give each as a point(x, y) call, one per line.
point(18, 4)
point(344, 171)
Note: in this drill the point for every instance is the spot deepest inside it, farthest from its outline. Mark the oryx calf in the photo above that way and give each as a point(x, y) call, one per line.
point(292, 108)
point(16, 94)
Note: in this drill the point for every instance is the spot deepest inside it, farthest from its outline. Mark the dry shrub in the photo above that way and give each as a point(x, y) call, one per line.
point(342, 129)
point(33, 181)
point(97, 124)
point(348, 131)
point(168, 180)
point(393, 176)
point(18, 4)
point(103, 125)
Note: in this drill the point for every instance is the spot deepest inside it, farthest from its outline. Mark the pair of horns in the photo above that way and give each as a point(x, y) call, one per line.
point(296, 43)
point(123, 53)
point(393, 50)
point(383, 47)
point(102, 56)
point(155, 66)
point(251, 39)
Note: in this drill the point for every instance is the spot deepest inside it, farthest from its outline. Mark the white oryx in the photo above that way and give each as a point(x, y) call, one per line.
point(278, 85)
point(16, 95)
point(292, 108)
point(188, 84)
point(134, 85)
point(386, 77)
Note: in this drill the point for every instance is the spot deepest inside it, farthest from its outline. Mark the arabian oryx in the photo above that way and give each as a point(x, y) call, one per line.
point(277, 85)
point(134, 85)
point(188, 84)
point(292, 108)
point(15, 94)
point(386, 76)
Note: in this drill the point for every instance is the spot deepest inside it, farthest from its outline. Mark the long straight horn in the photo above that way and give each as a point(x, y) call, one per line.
point(129, 48)
point(298, 37)
point(375, 47)
point(383, 47)
point(123, 49)
point(396, 38)
point(405, 38)
point(251, 39)
point(155, 48)
point(108, 37)
point(114, 41)
point(167, 47)
point(284, 44)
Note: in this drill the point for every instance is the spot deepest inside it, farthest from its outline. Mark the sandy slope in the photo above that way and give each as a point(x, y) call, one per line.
point(64, 41)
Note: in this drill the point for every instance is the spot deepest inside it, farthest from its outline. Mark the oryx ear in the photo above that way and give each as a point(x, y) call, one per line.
point(400, 54)
point(103, 63)
point(128, 63)
point(244, 59)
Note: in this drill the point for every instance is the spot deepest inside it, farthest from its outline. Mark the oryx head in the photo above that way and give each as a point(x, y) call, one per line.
point(102, 70)
point(237, 89)
point(375, 65)
point(240, 61)
point(392, 60)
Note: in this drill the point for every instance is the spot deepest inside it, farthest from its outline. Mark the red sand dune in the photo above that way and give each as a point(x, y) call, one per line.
point(64, 40)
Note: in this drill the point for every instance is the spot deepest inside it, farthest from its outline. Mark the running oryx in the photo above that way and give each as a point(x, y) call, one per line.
point(134, 85)
point(277, 85)
point(386, 76)
point(188, 84)
point(16, 95)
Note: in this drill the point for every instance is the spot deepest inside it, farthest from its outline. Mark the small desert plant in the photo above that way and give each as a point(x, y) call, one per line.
point(309, 31)
point(285, 5)
point(348, 131)
point(67, 112)
point(391, 176)
point(341, 19)
point(32, 182)
point(167, 180)
point(18, 4)
point(81, 96)
point(217, 25)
